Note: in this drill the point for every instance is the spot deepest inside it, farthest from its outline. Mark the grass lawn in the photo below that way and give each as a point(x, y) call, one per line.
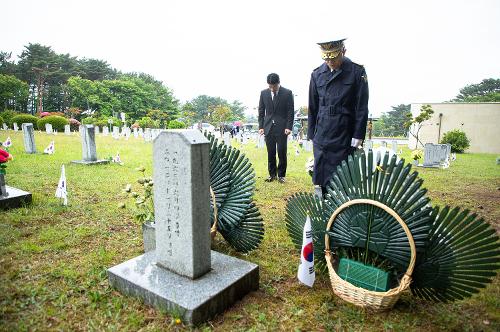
point(53, 259)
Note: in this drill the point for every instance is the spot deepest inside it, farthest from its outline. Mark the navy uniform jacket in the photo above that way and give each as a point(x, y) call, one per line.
point(338, 112)
point(281, 111)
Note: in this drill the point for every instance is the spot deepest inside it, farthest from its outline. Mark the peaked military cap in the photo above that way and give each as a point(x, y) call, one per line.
point(331, 49)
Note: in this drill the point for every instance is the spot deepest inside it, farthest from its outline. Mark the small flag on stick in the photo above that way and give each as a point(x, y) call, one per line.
point(50, 149)
point(7, 143)
point(62, 191)
point(306, 272)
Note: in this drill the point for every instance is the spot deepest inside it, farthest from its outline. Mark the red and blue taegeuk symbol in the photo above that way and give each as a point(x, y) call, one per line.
point(308, 252)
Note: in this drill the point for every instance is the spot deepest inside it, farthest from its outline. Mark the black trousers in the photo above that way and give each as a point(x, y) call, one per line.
point(276, 141)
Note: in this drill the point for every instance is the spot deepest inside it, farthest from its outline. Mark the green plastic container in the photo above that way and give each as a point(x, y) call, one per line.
point(364, 276)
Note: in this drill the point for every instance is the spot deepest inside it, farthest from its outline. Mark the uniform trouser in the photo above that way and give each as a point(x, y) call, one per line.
point(276, 142)
point(326, 161)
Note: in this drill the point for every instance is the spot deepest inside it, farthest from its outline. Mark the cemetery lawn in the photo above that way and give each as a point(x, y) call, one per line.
point(53, 259)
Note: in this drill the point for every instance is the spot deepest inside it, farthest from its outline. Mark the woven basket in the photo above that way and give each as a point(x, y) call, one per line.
point(378, 301)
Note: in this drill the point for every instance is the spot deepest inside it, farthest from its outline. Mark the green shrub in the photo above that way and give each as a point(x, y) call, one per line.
point(1, 121)
point(24, 118)
point(174, 124)
point(88, 121)
point(74, 124)
point(458, 140)
point(7, 115)
point(147, 122)
point(57, 122)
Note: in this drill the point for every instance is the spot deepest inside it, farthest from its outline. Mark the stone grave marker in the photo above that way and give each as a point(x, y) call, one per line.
point(227, 138)
point(67, 129)
point(141, 132)
point(48, 128)
point(105, 131)
point(116, 132)
point(29, 138)
point(436, 155)
point(394, 146)
point(16, 128)
point(136, 133)
point(4, 126)
point(89, 153)
point(147, 135)
point(182, 274)
point(97, 130)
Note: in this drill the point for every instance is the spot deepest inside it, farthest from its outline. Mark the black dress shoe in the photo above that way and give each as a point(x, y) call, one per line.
point(281, 180)
point(270, 179)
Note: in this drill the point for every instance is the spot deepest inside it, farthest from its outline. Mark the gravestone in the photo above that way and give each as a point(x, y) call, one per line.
point(89, 153)
point(67, 129)
point(394, 146)
point(182, 274)
point(4, 126)
point(116, 132)
point(147, 135)
point(97, 130)
point(11, 198)
point(436, 155)
point(141, 132)
point(227, 138)
point(136, 133)
point(29, 138)
point(261, 141)
point(48, 128)
point(368, 145)
point(16, 128)
point(105, 131)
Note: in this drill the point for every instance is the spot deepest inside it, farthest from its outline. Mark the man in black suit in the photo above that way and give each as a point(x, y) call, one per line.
point(275, 122)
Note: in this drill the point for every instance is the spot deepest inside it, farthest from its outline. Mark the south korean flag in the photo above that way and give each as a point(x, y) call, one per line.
point(306, 273)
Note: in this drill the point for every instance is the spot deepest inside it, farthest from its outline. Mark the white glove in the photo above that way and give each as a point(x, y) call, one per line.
point(356, 142)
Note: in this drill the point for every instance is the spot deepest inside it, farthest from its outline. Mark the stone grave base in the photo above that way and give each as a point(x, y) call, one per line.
point(195, 301)
point(85, 162)
point(15, 198)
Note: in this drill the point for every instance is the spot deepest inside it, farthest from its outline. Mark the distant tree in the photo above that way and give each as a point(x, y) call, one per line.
point(394, 120)
point(13, 93)
point(425, 114)
point(96, 70)
point(220, 115)
point(303, 110)
point(237, 110)
point(486, 91)
point(7, 66)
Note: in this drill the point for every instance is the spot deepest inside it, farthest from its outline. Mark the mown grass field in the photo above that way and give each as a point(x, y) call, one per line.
point(53, 259)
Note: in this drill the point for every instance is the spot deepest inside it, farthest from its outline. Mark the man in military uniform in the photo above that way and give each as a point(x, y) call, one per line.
point(338, 110)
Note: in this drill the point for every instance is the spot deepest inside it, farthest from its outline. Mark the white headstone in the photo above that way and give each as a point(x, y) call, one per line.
point(394, 146)
point(136, 133)
point(48, 128)
point(105, 131)
point(67, 129)
point(97, 130)
point(147, 135)
point(16, 128)
point(141, 132)
point(4, 126)
point(29, 138)
point(182, 202)
point(227, 138)
point(437, 155)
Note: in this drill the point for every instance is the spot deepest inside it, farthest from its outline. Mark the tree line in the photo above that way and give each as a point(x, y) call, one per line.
point(40, 80)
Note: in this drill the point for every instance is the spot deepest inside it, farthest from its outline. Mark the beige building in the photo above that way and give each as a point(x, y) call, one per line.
point(479, 121)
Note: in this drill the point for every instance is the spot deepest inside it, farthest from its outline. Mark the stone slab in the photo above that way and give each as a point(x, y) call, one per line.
point(85, 162)
point(195, 301)
point(15, 198)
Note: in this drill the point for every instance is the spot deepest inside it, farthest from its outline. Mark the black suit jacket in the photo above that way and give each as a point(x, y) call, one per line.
point(281, 111)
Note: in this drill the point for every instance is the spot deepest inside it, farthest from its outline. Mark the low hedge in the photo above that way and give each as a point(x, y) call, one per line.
point(174, 124)
point(24, 118)
point(57, 122)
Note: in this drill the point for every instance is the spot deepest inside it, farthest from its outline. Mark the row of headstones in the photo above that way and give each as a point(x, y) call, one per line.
point(89, 153)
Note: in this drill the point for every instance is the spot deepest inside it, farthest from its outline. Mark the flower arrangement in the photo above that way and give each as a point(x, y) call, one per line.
point(144, 208)
point(416, 154)
point(4, 158)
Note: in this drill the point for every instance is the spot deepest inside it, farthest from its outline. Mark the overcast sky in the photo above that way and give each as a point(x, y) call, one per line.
point(413, 51)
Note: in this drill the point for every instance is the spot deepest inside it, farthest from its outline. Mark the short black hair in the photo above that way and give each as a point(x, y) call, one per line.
point(273, 78)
